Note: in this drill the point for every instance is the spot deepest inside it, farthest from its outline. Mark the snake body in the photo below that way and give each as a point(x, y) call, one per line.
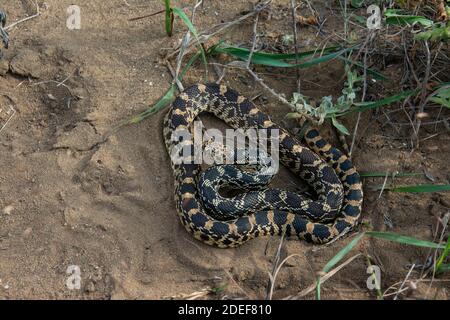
point(326, 169)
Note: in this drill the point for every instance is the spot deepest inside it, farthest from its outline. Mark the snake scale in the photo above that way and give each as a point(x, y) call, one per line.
point(326, 169)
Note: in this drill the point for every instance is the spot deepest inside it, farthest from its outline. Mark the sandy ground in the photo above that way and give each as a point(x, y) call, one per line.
point(68, 198)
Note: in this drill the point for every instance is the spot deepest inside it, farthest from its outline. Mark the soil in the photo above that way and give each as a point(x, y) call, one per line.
point(69, 198)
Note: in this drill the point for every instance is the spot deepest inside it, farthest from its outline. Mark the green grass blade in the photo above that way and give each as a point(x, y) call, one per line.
point(340, 126)
point(189, 64)
point(439, 265)
point(442, 96)
point(168, 96)
point(341, 254)
point(243, 53)
point(389, 174)
point(161, 104)
point(404, 239)
point(279, 59)
point(338, 257)
point(186, 21)
point(324, 58)
point(444, 268)
point(270, 60)
point(390, 236)
point(192, 29)
point(318, 289)
point(364, 106)
point(169, 18)
point(356, 3)
point(420, 188)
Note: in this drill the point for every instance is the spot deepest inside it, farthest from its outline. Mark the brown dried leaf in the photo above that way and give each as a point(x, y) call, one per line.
point(441, 11)
point(307, 21)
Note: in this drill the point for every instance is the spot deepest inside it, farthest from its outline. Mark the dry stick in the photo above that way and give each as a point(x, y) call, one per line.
point(363, 93)
point(276, 95)
point(424, 91)
point(404, 281)
point(147, 15)
point(174, 74)
point(294, 29)
point(408, 61)
point(194, 10)
point(383, 186)
point(9, 119)
point(236, 284)
point(255, 36)
point(441, 238)
point(392, 287)
point(274, 268)
point(184, 44)
point(408, 116)
point(325, 277)
point(273, 277)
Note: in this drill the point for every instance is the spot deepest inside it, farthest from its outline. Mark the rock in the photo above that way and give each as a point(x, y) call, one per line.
point(8, 210)
point(27, 63)
point(71, 216)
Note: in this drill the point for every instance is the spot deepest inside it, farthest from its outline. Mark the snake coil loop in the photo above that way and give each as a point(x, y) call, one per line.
point(326, 169)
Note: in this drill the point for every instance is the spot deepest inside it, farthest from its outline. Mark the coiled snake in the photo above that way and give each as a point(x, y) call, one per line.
point(331, 174)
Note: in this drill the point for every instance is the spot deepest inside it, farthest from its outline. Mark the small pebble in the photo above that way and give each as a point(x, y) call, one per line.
point(27, 232)
point(8, 209)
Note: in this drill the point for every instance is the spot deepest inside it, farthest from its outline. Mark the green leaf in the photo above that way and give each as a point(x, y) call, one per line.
point(339, 126)
point(442, 96)
point(404, 239)
point(395, 17)
point(440, 32)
